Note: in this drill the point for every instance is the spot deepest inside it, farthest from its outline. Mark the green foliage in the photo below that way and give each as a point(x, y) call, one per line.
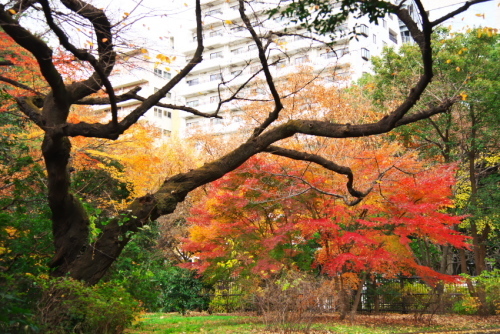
point(467, 306)
point(159, 285)
point(182, 291)
point(490, 282)
point(228, 299)
point(465, 65)
point(324, 16)
point(91, 182)
point(69, 306)
point(18, 297)
point(216, 324)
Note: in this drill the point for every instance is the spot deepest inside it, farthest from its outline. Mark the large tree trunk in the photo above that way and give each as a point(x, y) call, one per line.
point(70, 224)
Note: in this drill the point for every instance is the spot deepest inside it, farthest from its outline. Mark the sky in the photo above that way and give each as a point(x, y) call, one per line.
point(164, 17)
point(484, 14)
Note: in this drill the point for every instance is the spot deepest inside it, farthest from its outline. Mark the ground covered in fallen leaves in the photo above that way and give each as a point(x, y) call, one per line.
point(417, 322)
point(249, 323)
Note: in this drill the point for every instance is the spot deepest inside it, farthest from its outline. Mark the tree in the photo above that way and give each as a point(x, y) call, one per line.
point(74, 254)
point(268, 216)
point(467, 64)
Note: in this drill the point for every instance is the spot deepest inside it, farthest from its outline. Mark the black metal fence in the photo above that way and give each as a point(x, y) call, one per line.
point(409, 295)
point(402, 295)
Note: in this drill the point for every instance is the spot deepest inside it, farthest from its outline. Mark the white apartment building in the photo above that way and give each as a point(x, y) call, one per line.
point(230, 56)
point(149, 71)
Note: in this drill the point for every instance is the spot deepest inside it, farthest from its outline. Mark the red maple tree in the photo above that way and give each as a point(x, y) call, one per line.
point(267, 216)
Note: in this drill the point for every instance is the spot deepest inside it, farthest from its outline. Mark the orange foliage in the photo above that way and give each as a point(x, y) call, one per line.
point(137, 158)
point(262, 218)
point(273, 213)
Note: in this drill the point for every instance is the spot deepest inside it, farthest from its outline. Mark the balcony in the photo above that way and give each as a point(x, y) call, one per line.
point(204, 85)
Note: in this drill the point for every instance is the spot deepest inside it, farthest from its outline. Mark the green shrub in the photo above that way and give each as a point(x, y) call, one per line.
point(490, 282)
point(466, 306)
point(225, 301)
point(158, 284)
point(182, 291)
point(69, 306)
point(18, 296)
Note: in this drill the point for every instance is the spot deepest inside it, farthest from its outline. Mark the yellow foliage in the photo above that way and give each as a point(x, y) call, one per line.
point(136, 159)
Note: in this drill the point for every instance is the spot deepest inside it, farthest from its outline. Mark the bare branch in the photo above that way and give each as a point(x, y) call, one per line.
point(29, 109)
point(22, 5)
point(265, 67)
point(19, 85)
point(457, 11)
point(39, 49)
point(110, 131)
point(328, 164)
point(104, 40)
point(105, 100)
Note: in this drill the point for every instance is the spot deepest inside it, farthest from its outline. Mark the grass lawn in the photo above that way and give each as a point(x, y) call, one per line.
point(363, 324)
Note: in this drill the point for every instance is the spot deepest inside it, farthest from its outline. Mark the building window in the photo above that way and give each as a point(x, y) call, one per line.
point(334, 54)
point(193, 82)
point(374, 39)
point(236, 73)
point(255, 68)
point(328, 55)
point(281, 63)
point(159, 112)
point(252, 47)
point(214, 12)
point(237, 28)
point(215, 121)
point(362, 30)
point(384, 23)
point(215, 77)
point(235, 7)
point(215, 33)
point(300, 60)
point(214, 99)
point(195, 37)
point(169, 95)
point(365, 54)
point(393, 36)
point(162, 74)
point(237, 51)
point(406, 37)
point(191, 124)
point(166, 132)
point(215, 55)
point(193, 103)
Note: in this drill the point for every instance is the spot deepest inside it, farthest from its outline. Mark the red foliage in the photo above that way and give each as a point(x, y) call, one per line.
point(258, 220)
